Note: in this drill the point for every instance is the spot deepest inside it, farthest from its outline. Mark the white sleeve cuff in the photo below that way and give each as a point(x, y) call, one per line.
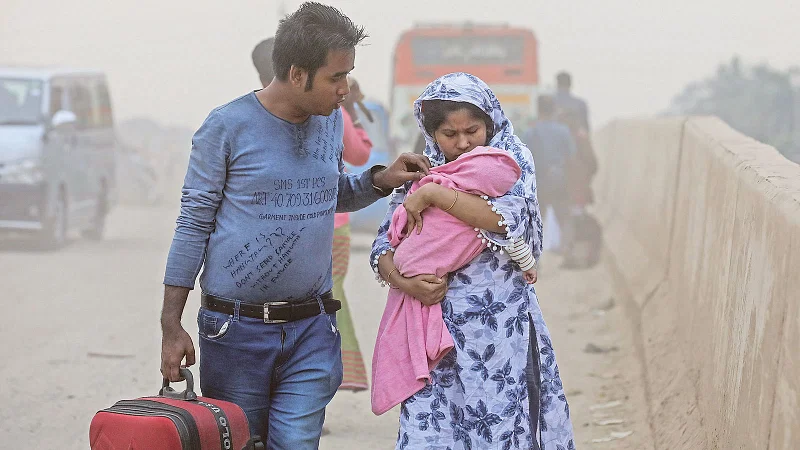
point(521, 253)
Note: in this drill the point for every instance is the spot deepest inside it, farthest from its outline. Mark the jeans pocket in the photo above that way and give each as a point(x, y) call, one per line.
point(213, 325)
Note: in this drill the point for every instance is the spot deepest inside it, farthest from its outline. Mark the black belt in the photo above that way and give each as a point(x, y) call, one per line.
point(274, 312)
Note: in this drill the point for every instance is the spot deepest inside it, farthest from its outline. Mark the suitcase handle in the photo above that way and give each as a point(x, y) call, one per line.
point(187, 394)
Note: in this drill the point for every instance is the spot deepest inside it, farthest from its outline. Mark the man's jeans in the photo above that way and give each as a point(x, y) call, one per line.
point(282, 375)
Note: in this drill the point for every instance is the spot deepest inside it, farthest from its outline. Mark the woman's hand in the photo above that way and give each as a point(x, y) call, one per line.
point(428, 289)
point(415, 203)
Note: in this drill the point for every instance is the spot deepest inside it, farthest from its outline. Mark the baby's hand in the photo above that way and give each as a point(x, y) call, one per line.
point(530, 276)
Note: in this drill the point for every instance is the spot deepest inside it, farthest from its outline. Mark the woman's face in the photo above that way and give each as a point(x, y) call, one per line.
point(460, 133)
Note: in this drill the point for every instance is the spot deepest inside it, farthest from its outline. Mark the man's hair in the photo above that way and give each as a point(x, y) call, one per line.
point(262, 59)
point(305, 37)
point(564, 80)
point(546, 105)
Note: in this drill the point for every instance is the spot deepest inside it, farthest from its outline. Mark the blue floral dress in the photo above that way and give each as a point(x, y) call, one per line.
point(499, 388)
point(480, 395)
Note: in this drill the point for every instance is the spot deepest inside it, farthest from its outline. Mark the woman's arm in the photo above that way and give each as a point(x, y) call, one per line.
point(428, 289)
point(468, 208)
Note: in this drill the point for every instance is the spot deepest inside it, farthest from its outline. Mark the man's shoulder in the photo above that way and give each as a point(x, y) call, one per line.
point(578, 101)
point(570, 99)
point(235, 106)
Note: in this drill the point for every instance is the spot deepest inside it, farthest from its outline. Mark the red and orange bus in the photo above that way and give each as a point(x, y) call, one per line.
point(505, 57)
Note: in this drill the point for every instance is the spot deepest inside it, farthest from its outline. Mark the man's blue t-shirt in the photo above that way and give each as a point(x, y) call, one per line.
point(258, 204)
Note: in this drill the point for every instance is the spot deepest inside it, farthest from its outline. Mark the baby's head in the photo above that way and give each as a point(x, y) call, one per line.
point(457, 127)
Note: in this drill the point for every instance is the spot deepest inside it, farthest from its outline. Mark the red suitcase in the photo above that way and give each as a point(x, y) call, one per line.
point(172, 421)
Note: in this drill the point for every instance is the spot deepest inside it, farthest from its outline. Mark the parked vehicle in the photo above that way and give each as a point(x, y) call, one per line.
point(57, 153)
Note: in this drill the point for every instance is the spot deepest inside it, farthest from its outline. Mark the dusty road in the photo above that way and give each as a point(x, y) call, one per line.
point(79, 330)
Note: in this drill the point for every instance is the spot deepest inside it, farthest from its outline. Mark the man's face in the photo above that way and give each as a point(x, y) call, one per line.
point(329, 88)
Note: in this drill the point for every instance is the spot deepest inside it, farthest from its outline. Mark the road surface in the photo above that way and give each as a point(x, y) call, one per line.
point(79, 330)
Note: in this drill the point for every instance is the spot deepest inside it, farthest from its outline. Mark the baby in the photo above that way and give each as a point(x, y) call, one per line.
point(446, 244)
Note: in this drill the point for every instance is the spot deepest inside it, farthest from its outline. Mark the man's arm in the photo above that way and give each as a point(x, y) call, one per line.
point(585, 116)
point(175, 341)
point(356, 191)
point(200, 199)
point(201, 196)
point(360, 191)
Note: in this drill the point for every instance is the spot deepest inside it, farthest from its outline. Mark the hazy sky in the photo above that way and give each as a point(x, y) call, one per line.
point(174, 60)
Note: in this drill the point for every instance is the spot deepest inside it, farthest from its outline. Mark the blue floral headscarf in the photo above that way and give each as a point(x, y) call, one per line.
point(519, 208)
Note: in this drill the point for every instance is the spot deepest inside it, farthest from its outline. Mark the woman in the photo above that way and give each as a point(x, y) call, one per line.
point(487, 392)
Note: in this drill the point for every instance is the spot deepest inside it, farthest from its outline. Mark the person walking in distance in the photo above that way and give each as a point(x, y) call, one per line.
point(567, 103)
point(553, 147)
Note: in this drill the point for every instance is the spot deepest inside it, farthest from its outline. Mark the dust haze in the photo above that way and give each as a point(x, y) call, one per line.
point(81, 325)
point(175, 61)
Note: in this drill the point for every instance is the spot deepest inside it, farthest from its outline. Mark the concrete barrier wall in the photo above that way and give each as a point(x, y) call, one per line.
point(642, 185)
point(712, 225)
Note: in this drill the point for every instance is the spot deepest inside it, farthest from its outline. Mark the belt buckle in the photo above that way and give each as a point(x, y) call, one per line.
point(267, 320)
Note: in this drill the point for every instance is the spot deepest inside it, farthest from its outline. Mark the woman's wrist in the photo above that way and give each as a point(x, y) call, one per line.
point(396, 279)
point(436, 195)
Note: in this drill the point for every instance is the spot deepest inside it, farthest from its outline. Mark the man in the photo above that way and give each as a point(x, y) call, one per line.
point(357, 147)
point(257, 212)
point(566, 103)
point(553, 147)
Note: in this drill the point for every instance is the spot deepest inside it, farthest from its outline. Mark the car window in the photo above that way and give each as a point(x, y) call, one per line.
point(20, 101)
point(105, 117)
point(56, 99)
point(81, 104)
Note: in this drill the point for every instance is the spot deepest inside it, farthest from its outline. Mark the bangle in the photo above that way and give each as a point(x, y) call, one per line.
point(454, 201)
point(390, 274)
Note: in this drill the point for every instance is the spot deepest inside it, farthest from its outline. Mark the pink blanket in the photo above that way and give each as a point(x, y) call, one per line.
point(412, 337)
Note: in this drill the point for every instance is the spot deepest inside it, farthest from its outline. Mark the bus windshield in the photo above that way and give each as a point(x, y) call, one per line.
point(467, 50)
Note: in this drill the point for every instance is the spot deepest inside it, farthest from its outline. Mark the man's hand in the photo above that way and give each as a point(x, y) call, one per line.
point(175, 345)
point(428, 289)
point(175, 342)
point(407, 167)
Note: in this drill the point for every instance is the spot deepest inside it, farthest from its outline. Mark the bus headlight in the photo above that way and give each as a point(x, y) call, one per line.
point(27, 171)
